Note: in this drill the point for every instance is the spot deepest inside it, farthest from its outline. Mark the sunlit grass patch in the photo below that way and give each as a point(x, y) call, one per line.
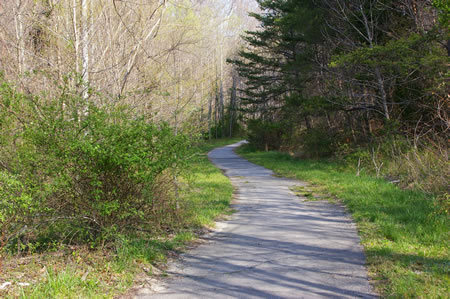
point(65, 284)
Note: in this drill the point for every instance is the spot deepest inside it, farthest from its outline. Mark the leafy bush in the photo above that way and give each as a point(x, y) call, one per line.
point(91, 172)
point(265, 135)
point(16, 205)
point(318, 142)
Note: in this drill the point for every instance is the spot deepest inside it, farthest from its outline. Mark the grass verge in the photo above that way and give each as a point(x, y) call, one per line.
point(207, 191)
point(405, 233)
point(80, 272)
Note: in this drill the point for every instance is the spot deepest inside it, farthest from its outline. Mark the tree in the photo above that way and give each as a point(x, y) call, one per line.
point(346, 68)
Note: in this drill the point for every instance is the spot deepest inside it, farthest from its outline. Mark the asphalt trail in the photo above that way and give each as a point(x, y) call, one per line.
point(275, 246)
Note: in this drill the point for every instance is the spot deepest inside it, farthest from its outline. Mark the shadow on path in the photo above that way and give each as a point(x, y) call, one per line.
point(275, 246)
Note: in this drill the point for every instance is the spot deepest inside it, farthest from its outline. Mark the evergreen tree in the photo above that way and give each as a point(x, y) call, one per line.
point(277, 63)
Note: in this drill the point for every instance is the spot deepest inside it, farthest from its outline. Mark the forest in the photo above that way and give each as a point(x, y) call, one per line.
point(364, 81)
point(108, 107)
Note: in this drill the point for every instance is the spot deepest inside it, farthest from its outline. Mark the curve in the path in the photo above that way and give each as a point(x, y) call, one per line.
point(275, 246)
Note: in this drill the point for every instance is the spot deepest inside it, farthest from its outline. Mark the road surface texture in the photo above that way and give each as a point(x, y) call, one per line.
point(275, 246)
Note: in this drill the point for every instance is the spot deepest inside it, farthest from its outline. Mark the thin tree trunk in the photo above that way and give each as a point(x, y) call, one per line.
point(137, 49)
point(232, 104)
point(215, 112)
point(380, 81)
point(350, 123)
point(216, 100)
point(76, 36)
point(18, 21)
point(382, 89)
point(328, 121)
point(307, 123)
point(209, 116)
point(221, 95)
point(85, 47)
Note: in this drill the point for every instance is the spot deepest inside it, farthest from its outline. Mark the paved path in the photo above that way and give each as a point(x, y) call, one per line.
point(275, 246)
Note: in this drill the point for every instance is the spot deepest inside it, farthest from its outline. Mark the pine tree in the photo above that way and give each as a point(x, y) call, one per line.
point(277, 63)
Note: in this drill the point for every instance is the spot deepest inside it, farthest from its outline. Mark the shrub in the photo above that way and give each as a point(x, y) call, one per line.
point(92, 172)
point(265, 135)
point(318, 142)
point(16, 205)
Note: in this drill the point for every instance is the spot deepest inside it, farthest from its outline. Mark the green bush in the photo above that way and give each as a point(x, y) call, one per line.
point(265, 135)
point(16, 205)
point(318, 142)
point(92, 172)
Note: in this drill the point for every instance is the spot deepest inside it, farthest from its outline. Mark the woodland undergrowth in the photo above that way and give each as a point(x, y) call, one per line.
point(93, 196)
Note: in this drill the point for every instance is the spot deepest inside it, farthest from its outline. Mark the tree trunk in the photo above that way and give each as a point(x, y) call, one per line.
point(18, 22)
point(221, 109)
point(328, 121)
point(382, 89)
point(232, 104)
point(209, 116)
point(85, 47)
point(369, 25)
point(307, 123)
point(76, 34)
point(350, 124)
point(215, 112)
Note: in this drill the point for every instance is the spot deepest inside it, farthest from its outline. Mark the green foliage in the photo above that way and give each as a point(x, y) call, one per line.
point(97, 171)
point(413, 66)
point(444, 11)
point(16, 205)
point(222, 130)
point(276, 54)
point(318, 142)
point(343, 77)
point(395, 54)
point(74, 271)
point(265, 135)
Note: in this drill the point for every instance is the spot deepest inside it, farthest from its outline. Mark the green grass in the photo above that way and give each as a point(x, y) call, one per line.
point(81, 273)
point(209, 193)
point(404, 232)
point(65, 284)
point(78, 272)
point(206, 195)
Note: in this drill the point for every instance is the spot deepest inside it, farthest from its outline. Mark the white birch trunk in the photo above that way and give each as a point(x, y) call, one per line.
point(85, 47)
point(18, 22)
point(76, 34)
